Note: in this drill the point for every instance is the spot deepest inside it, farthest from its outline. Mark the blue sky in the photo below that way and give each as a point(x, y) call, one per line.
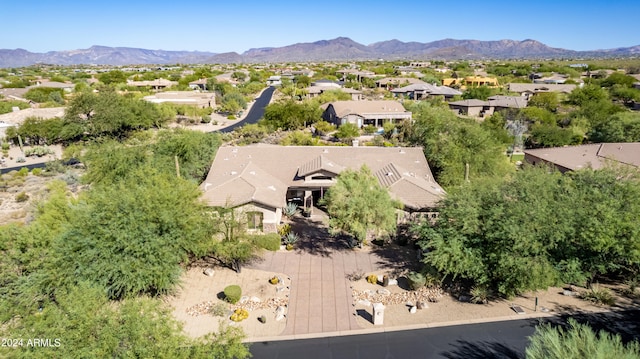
point(224, 26)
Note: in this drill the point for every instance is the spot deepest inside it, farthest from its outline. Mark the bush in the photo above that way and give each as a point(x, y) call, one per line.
point(239, 315)
point(416, 280)
point(372, 278)
point(284, 229)
point(270, 242)
point(232, 293)
point(480, 294)
point(369, 129)
point(22, 197)
point(38, 151)
point(36, 171)
point(598, 295)
point(23, 172)
point(290, 238)
point(218, 310)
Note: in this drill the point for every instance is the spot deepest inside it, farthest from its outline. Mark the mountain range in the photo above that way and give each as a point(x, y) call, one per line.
point(338, 49)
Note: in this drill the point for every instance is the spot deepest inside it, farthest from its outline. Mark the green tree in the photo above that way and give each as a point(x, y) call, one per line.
point(620, 127)
point(578, 341)
point(111, 77)
point(239, 75)
point(347, 132)
point(132, 236)
point(233, 102)
point(359, 206)
point(481, 93)
point(545, 100)
point(291, 115)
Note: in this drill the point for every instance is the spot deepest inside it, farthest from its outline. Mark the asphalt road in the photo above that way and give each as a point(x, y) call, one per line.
point(507, 339)
point(256, 112)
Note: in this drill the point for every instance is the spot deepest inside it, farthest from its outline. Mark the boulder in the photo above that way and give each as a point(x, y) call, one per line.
point(413, 309)
point(209, 272)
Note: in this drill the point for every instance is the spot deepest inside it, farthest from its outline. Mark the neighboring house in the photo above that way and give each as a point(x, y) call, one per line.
point(472, 107)
point(394, 82)
point(362, 113)
point(424, 90)
point(17, 117)
point(259, 180)
point(358, 74)
point(314, 91)
point(596, 156)
point(479, 108)
point(471, 81)
point(527, 90)
point(328, 83)
point(192, 98)
point(66, 87)
point(274, 81)
point(200, 84)
point(157, 84)
point(636, 85)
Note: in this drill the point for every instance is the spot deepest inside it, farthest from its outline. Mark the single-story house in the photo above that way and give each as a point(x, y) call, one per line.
point(66, 87)
point(157, 84)
point(274, 81)
point(424, 90)
point(471, 107)
point(200, 84)
point(362, 113)
point(393, 82)
point(314, 91)
point(596, 156)
point(192, 98)
point(259, 180)
point(471, 81)
point(527, 90)
point(358, 74)
point(17, 116)
point(479, 108)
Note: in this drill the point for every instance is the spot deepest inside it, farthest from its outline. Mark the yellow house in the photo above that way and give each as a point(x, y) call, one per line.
point(471, 81)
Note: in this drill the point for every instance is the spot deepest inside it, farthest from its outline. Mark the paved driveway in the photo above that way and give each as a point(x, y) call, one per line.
point(321, 299)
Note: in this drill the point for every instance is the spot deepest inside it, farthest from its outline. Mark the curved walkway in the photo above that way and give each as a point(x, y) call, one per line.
point(321, 297)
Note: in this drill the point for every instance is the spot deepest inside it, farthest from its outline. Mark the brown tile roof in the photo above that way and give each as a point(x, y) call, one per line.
point(344, 108)
point(527, 87)
point(594, 155)
point(263, 173)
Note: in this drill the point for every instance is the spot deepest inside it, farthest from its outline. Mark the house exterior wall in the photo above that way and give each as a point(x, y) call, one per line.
point(271, 217)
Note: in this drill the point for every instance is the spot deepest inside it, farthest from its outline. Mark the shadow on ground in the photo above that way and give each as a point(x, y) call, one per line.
point(314, 236)
point(481, 350)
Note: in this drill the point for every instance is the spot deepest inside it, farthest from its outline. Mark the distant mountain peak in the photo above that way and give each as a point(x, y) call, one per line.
point(340, 49)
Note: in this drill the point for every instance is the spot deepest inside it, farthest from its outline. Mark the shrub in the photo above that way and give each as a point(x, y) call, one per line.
point(274, 280)
point(23, 172)
point(232, 293)
point(5, 146)
point(598, 295)
point(218, 310)
point(206, 119)
point(291, 238)
point(290, 210)
point(239, 315)
point(284, 229)
point(416, 280)
point(480, 294)
point(38, 151)
point(369, 129)
point(372, 278)
point(231, 117)
point(22, 197)
point(36, 171)
point(270, 242)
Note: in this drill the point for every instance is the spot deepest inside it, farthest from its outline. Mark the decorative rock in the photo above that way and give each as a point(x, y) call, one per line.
point(385, 281)
point(464, 298)
point(209, 272)
point(568, 293)
point(280, 289)
point(243, 299)
point(364, 302)
point(262, 319)
point(413, 309)
point(383, 291)
point(393, 282)
point(280, 313)
point(255, 299)
point(420, 305)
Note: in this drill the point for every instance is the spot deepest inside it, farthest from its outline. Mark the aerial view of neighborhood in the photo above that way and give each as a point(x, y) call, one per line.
point(343, 197)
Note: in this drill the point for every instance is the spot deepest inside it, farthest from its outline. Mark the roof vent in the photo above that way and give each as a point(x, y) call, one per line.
point(252, 173)
point(389, 173)
point(233, 173)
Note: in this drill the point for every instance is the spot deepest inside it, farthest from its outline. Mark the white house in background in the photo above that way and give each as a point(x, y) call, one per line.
point(259, 180)
point(363, 113)
point(274, 81)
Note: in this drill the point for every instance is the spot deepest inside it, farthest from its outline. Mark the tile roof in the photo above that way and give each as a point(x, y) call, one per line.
point(528, 87)
point(344, 108)
point(594, 155)
point(17, 117)
point(263, 173)
point(431, 89)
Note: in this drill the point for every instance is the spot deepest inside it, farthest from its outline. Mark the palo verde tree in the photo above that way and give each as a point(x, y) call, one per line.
point(507, 233)
point(359, 206)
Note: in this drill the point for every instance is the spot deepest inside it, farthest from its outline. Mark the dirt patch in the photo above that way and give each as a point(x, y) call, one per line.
point(200, 295)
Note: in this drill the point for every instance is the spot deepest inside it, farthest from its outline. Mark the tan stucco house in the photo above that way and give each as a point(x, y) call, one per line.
point(362, 113)
point(259, 180)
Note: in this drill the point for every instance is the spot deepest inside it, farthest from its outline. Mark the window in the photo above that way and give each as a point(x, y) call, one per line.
point(254, 220)
point(321, 178)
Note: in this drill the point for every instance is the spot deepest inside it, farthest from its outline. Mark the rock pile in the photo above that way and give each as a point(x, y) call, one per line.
point(385, 297)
